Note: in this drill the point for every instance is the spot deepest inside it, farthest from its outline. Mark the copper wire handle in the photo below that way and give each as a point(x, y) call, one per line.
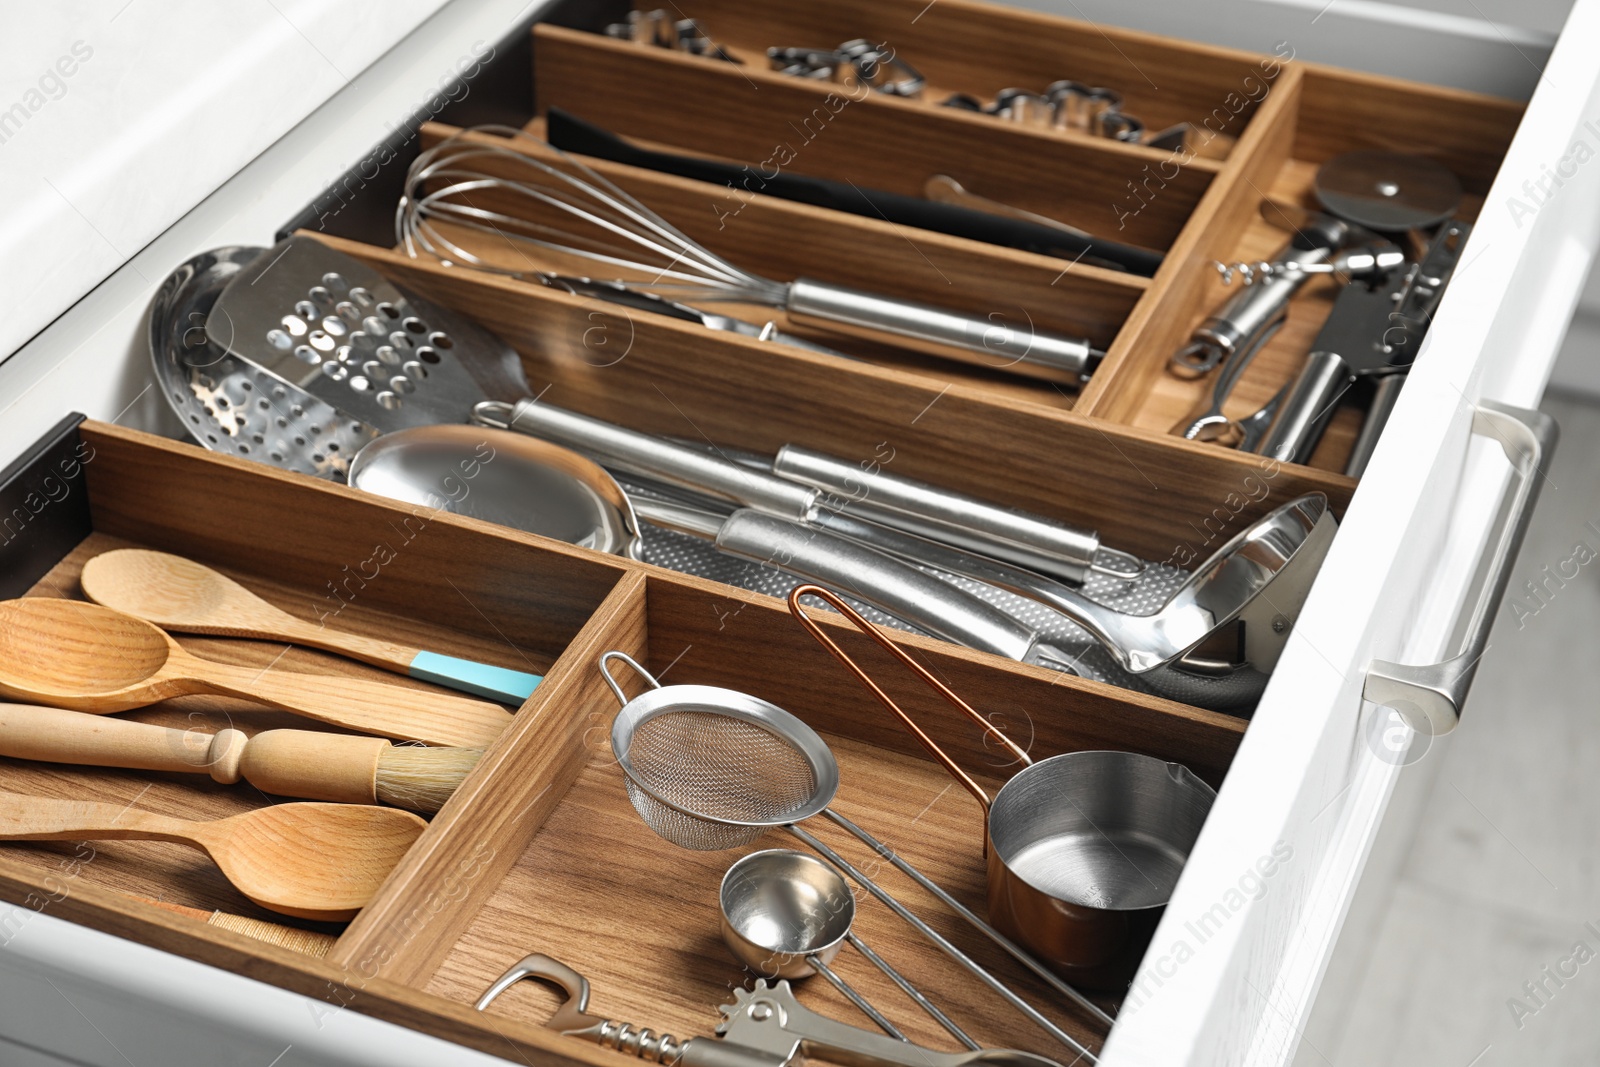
point(883, 641)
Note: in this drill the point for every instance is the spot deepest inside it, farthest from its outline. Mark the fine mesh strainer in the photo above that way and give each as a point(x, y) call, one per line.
point(710, 768)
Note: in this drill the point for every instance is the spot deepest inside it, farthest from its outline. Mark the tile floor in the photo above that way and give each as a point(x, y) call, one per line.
point(1504, 870)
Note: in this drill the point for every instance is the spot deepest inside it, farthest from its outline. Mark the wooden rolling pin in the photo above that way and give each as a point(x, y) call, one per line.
point(292, 763)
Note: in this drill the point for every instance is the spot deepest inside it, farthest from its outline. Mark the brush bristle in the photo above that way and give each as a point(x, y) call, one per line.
point(422, 779)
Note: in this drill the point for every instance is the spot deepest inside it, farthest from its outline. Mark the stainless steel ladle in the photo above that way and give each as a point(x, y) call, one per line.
point(1215, 641)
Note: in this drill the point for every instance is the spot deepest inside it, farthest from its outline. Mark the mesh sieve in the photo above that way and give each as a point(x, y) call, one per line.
point(711, 769)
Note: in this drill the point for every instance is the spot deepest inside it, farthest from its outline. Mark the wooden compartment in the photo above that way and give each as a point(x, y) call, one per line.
point(596, 884)
point(539, 849)
point(784, 240)
point(1197, 210)
point(355, 562)
point(1161, 498)
point(964, 47)
point(1314, 114)
point(757, 117)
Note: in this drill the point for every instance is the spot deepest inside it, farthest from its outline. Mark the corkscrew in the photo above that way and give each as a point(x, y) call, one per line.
point(763, 1027)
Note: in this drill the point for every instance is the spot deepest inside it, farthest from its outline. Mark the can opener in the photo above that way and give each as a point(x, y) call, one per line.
point(764, 1027)
point(1373, 334)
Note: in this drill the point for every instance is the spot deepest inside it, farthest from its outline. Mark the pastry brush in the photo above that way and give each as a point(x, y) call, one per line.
point(308, 764)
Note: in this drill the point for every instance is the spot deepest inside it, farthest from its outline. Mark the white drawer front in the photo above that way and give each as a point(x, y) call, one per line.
point(1237, 961)
point(90, 998)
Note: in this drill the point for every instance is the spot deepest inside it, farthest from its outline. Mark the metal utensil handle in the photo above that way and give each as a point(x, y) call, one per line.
point(605, 670)
point(912, 991)
point(1385, 394)
point(1016, 951)
point(1305, 412)
point(572, 1017)
point(1248, 314)
point(850, 994)
point(646, 454)
point(1429, 697)
point(988, 342)
point(1023, 538)
point(941, 942)
point(882, 581)
point(797, 609)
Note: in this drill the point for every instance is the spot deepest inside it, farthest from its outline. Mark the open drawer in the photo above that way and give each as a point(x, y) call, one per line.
point(538, 849)
point(1303, 783)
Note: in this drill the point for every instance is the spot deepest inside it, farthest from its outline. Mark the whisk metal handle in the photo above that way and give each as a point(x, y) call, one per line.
point(988, 342)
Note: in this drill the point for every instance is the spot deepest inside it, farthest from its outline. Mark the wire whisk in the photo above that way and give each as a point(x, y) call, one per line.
point(505, 183)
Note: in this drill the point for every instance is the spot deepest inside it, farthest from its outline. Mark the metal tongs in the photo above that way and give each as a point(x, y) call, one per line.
point(766, 1027)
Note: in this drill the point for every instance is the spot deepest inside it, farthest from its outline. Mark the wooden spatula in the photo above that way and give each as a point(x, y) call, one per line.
point(83, 656)
point(179, 594)
point(313, 861)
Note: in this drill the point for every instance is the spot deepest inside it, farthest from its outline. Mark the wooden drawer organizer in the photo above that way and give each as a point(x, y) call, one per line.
point(1272, 121)
point(539, 849)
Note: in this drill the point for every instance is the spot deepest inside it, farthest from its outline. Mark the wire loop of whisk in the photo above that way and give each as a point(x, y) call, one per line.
point(470, 183)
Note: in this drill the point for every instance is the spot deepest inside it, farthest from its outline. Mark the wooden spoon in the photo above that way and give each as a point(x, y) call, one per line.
point(312, 861)
point(83, 656)
point(180, 594)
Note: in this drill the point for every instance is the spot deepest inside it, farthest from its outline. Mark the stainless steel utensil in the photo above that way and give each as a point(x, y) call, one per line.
point(764, 1028)
point(1388, 191)
point(1011, 534)
point(836, 552)
point(329, 325)
point(710, 768)
point(792, 490)
point(228, 404)
point(1084, 848)
point(1374, 331)
point(620, 231)
point(1216, 639)
point(1251, 314)
point(530, 484)
point(617, 293)
point(786, 914)
point(506, 478)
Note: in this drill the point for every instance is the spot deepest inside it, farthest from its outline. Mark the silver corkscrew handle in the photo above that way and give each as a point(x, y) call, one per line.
point(1358, 262)
point(572, 1018)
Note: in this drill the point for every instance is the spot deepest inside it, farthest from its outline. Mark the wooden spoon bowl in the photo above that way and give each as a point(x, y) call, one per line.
point(60, 647)
point(86, 657)
point(313, 861)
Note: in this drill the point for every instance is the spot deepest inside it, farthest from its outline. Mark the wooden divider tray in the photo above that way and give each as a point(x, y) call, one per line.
point(539, 850)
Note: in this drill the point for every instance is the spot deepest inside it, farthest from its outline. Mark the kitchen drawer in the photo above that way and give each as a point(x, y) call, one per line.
point(1234, 969)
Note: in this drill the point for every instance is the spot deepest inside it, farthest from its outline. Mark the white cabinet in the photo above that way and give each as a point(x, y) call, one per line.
point(1233, 974)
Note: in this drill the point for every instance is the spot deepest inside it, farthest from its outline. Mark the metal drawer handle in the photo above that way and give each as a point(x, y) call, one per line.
point(1430, 697)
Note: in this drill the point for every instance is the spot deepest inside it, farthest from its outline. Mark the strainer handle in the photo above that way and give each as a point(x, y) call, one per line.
point(605, 671)
point(883, 641)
